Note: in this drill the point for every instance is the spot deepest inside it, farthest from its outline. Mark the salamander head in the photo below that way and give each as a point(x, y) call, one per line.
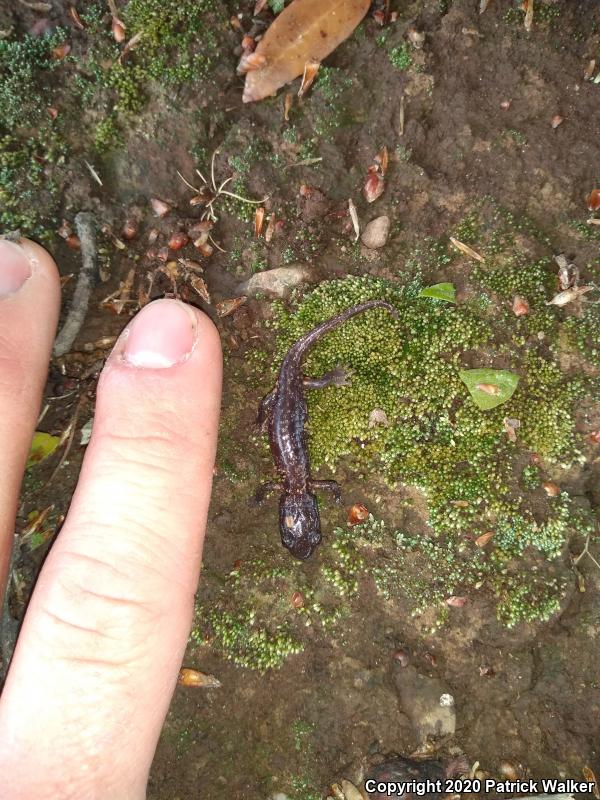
point(299, 524)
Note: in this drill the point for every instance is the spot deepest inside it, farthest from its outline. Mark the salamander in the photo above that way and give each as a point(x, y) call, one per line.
point(283, 414)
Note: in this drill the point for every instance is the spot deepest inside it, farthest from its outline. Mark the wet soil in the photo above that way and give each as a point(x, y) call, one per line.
point(479, 101)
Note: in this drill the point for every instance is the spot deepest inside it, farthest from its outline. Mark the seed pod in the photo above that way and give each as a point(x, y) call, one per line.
point(130, 229)
point(520, 306)
point(227, 307)
point(178, 240)
point(297, 600)
point(373, 188)
point(160, 208)
point(484, 538)
point(357, 514)
point(551, 489)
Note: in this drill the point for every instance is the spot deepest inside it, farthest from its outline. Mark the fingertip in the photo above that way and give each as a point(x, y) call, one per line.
point(44, 270)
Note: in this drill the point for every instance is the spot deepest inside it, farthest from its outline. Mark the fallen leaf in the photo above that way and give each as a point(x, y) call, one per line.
point(159, 207)
point(551, 489)
point(589, 70)
point(373, 188)
point(528, 9)
point(589, 776)
point(456, 602)
point(297, 599)
point(77, 21)
point(440, 291)
point(227, 307)
point(562, 298)
point(593, 200)
point(484, 538)
point(200, 287)
point(382, 160)
point(520, 306)
point(357, 514)
point(191, 677)
point(310, 73)
point(259, 218)
point(503, 382)
point(468, 251)
point(483, 4)
point(42, 446)
point(306, 30)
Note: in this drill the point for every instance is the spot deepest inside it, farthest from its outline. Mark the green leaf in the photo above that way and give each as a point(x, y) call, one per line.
point(42, 446)
point(499, 384)
point(440, 291)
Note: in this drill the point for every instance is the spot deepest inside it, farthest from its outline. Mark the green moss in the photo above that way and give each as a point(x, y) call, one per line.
point(532, 600)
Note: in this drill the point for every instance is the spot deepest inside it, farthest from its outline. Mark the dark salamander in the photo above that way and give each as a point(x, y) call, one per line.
point(283, 414)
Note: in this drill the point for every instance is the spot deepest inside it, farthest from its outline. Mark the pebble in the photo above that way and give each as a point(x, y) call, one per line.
point(376, 233)
point(274, 282)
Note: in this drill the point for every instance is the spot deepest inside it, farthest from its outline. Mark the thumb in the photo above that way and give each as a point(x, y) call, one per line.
point(106, 629)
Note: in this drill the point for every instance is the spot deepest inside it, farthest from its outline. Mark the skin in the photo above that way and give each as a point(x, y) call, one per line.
point(103, 639)
point(283, 414)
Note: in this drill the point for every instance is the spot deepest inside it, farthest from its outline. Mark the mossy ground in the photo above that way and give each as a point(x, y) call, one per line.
point(443, 472)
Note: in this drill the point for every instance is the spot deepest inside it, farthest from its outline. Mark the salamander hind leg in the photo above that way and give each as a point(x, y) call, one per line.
point(337, 377)
point(264, 490)
point(328, 486)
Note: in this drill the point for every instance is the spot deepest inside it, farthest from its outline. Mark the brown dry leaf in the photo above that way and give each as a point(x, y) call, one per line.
point(589, 776)
point(270, 227)
point(357, 514)
point(310, 73)
point(191, 677)
point(589, 70)
point(562, 298)
point(307, 30)
point(227, 307)
point(468, 251)
point(593, 200)
point(483, 5)
point(259, 218)
point(200, 287)
point(484, 538)
point(528, 9)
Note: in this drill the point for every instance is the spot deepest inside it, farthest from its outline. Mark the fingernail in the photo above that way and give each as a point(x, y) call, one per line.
point(15, 267)
point(163, 334)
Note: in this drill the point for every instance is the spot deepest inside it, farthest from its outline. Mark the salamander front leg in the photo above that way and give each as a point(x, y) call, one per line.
point(264, 491)
point(328, 486)
point(337, 377)
point(264, 411)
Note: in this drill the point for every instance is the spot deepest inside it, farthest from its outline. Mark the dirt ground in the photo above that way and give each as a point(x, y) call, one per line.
point(479, 100)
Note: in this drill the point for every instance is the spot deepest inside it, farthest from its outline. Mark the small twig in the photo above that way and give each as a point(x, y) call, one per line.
point(85, 227)
point(69, 435)
point(93, 173)
point(585, 552)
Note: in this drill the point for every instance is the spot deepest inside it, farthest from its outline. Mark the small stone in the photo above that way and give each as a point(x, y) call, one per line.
point(275, 282)
point(376, 233)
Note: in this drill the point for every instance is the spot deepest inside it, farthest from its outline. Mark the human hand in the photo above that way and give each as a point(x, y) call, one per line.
point(104, 635)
